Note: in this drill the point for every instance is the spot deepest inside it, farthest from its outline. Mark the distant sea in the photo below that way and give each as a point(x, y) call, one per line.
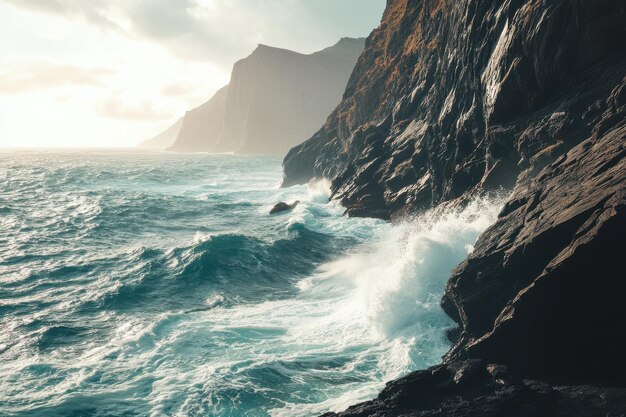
point(157, 284)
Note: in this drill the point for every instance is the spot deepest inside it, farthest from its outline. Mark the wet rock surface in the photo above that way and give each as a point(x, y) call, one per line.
point(542, 291)
point(283, 207)
point(527, 98)
point(475, 388)
point(450, 99)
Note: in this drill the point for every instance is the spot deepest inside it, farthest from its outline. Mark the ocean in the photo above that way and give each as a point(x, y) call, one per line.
point(157, 284)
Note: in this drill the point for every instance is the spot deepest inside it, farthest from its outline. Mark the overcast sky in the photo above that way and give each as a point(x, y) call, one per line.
point(116, 72)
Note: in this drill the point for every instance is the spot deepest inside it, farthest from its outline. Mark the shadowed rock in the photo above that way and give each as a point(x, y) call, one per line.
point(473, 388)
point(457, 99)
point(542, 291)
point(282, 207)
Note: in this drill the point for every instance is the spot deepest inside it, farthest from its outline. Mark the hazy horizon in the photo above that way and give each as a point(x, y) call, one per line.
point(112, 74)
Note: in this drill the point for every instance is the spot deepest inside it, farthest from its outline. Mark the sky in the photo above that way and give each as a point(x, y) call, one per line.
point(111, 73)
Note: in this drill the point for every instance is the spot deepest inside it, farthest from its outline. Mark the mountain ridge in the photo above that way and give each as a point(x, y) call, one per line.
point(276, 99)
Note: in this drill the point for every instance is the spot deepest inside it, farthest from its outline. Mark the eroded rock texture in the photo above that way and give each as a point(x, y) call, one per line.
point(452, 99)
point(544, 289)
point(473, 388)
point(454, 96)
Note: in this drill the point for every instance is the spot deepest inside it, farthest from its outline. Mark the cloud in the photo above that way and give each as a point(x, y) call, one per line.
point(27, 76)
point(194, 30)
point(93, 11)
point(178, 89)
point(222, 31)
point(97, 65)
point(114, 107)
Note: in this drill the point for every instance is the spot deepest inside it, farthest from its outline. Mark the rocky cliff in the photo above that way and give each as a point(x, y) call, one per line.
point(275, 100)
point(451, 100)
point(201, 124)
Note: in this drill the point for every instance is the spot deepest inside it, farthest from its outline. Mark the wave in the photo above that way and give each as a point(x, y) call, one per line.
point(391, 288)
point(171, 291)
point(238, 267)
point(362, 319)
point(59, 336)
point(319, 190)
point(401, 279)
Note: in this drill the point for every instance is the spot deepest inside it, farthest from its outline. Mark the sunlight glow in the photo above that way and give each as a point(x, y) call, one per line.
point(113, 74)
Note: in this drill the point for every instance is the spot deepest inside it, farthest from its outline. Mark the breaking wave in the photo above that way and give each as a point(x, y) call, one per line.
point(157, 284)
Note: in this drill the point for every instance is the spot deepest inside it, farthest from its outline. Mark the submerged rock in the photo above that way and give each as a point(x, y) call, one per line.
point(282, 207)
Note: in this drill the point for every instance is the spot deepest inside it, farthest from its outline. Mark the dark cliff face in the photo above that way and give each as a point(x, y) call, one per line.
point(451, 97)
point(275, 100)
point(473, 388)
point(543, 290)
point(451, 100)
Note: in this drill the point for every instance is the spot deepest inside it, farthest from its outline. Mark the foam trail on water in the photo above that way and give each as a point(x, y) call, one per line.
point(151, 285)
point(391, 291)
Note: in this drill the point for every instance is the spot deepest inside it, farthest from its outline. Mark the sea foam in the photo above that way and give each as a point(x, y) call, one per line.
point(164, 294)
point(386, 294)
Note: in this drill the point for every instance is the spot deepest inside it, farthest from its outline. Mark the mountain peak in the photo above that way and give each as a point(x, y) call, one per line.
point(346, 47)
point(263, 49)
point(271, 78)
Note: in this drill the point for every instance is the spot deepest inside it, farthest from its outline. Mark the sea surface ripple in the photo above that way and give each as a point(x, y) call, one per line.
point(156, 284)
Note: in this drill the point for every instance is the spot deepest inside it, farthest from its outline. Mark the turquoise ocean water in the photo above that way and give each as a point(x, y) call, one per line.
point(156, 284)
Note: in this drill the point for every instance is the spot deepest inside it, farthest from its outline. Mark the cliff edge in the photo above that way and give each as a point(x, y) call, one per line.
point(451, 100)
point(276, 99)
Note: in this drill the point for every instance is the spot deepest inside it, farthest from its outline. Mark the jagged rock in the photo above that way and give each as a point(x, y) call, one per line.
point(282, 207)
point(452, 100)
point(542, 291)
point(460, 97)
point(474, 388)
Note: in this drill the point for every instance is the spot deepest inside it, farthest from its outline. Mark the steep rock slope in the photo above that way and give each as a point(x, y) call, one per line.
point(276, 99)
point(543, 290)
point(164, 139)
point(539, 301)
point(450, 100)
point(449, 97)
point(202, 123)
